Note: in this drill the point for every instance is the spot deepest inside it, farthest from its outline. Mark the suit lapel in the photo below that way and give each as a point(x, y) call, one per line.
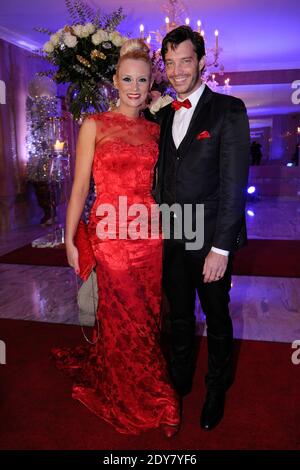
point(166, 133)
point(196, 119)
point(166, 128)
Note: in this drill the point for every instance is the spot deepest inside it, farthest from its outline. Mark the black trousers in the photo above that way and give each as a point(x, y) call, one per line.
point(182, 277)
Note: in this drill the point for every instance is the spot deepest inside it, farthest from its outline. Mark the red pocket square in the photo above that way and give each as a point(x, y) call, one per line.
point(203, 135)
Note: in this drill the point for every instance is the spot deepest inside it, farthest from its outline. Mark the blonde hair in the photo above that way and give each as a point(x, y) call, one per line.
point(134, 49)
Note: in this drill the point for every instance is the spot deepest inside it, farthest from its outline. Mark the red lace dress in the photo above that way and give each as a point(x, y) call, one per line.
point(123, 378)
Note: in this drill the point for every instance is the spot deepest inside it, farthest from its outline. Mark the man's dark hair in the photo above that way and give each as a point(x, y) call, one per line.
point(180, 34)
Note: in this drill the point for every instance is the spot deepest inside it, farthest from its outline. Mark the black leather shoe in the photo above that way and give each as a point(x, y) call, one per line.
point(213, 410)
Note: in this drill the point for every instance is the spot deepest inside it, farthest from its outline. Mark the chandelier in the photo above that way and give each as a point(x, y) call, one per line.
point(176, 15)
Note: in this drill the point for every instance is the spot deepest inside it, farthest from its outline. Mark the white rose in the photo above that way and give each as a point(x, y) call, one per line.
point(78, 30)
point(54, 39)
point(69, 40)
point(104, 36)
point(48, 47)
point(96, 39)
point(90, 27)
point(85, 31)
point(116, 38)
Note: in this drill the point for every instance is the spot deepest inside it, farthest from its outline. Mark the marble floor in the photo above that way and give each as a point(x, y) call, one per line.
point(16, 238)
point(262, 308)
point(273, 218)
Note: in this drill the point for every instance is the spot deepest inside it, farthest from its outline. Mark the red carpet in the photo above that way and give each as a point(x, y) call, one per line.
point(36, 256)
point(37, 411)
point(260, 258)
point(268, 258)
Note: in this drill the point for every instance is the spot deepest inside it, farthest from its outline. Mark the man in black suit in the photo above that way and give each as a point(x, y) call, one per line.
point(204, 158)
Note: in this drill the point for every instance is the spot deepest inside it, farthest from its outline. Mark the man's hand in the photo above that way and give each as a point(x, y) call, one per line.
point(214, 267)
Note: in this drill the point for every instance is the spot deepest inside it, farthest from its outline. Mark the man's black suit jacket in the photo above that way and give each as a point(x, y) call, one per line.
point(212, 171)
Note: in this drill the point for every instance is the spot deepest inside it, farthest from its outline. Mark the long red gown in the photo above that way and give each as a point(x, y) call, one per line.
point(124, 378)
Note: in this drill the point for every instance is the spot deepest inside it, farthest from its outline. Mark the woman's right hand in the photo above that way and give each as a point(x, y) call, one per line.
point(72, 255)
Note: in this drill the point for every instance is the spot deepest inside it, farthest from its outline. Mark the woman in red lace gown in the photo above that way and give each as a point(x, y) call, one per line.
point(124, 377)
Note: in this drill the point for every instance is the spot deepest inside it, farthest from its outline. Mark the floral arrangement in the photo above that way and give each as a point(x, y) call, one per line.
point(159, 73)
point(162, 92)
point(85, 54)
point(159, 101)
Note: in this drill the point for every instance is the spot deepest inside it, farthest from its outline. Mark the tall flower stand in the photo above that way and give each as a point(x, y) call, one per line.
point(60, 185)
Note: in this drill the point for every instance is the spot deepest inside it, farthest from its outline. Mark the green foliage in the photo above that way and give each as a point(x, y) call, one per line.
point(84, 53)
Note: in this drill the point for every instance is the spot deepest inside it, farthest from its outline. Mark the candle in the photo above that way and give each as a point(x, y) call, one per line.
point(227, 87)
point(148, 40)
point(199, 26)
point(202, 33)
point(167, 20)
point(59, 146)
point(226, 82)
point(187, 21)
point(217, 39)
point(142, 31)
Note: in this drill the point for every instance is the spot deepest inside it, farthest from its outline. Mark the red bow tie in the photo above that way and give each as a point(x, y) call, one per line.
point(179, 104)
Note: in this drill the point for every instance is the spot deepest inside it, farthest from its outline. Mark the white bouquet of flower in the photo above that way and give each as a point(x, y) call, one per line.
point(159, 101)
point(84, 53)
